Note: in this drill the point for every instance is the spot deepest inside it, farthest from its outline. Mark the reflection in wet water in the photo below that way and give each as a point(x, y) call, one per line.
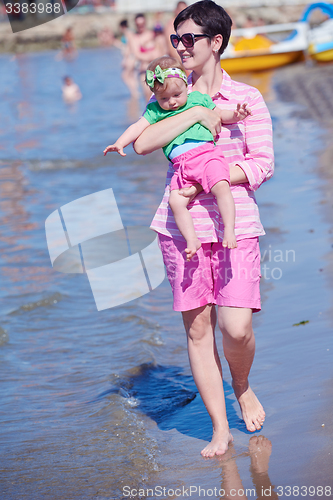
point(259, 451)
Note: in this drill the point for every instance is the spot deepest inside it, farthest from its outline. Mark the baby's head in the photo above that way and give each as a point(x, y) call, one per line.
point(166, 77)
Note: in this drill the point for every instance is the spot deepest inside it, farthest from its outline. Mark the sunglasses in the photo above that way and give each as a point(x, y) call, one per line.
point(188, 39)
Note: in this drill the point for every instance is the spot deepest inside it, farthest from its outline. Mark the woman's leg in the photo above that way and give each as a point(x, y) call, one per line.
point(178, 204)
point(239, 347)
point(207, 373)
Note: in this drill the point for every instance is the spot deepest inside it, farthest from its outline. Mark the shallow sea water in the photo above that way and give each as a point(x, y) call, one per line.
point(100, 404)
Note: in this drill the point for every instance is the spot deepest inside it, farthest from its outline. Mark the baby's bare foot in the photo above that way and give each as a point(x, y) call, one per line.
point(218, 445)
point(252, 411)
point(192, 248)
point(229, 239)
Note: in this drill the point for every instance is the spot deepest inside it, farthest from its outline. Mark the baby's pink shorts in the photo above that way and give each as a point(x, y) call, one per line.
point(203, 165)
point(215, 275)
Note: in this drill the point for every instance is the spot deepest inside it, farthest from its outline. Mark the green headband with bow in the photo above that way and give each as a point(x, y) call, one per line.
point(161, 74)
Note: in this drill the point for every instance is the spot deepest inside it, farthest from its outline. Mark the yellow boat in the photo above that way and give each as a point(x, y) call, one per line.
point(320, 37)
point(324, 56)
point(265, 47)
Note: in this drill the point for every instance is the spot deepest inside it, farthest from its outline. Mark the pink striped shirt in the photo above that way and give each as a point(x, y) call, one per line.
point(248, 144)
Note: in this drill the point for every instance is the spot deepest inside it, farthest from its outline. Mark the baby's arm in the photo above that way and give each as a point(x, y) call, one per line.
point(130, 135)
point(229, 116)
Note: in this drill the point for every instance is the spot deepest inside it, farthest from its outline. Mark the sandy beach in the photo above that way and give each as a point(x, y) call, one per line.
point(102, 404)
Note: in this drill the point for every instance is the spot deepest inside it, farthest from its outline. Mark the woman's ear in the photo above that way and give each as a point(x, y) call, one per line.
point(217, 43)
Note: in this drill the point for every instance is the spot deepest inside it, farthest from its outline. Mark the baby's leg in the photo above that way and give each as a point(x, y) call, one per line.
point(225, 202)
point(184, 221)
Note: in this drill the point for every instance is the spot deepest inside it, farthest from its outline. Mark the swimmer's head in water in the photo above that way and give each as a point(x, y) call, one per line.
point(162, 69)
point(67, 80)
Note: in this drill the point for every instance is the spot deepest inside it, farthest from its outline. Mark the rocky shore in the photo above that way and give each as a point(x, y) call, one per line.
point(87, 25)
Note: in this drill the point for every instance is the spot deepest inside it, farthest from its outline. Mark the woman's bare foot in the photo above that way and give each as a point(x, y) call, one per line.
point(192, 248)
point(252, 411)
point(229, 238)
point(218, 445)
point(260, 449)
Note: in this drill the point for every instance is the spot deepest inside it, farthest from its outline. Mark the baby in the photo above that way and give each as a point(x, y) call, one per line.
point(195, 157)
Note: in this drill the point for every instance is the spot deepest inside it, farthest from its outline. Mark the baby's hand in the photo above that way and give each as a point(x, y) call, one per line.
point(114, 147)
point(242, 111)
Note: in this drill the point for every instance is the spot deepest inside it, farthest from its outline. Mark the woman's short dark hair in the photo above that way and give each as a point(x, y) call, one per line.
point(213, 19)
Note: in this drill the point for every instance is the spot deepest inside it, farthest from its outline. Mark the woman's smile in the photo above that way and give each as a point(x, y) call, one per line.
point(196, 56)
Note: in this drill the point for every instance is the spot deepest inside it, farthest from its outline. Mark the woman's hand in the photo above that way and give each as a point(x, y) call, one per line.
point(191, 192)
point(161, 133)
point(210, 119)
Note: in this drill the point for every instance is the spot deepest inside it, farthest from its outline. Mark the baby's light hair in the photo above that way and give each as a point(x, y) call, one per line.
point(164, 62)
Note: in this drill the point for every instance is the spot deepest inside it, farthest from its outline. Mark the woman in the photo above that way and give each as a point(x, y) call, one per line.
point(228, 278)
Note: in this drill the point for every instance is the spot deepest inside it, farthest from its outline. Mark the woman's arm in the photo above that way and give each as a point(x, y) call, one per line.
point(161, 133)
point(237, 175)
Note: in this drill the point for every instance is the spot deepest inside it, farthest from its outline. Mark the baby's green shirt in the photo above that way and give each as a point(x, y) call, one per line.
point(197, 132)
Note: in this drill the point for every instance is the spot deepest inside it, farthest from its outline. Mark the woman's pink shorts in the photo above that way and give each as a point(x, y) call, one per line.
point(204, 165)
point(215, 275)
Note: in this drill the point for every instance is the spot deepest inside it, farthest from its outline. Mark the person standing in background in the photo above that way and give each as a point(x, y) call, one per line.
point(169, 30)
point(128, 65)
point(160, 41)
point(143, 46)
point(68, 47)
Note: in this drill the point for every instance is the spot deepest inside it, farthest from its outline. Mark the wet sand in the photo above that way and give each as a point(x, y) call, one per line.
point(311, 86)
point(94, 402)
